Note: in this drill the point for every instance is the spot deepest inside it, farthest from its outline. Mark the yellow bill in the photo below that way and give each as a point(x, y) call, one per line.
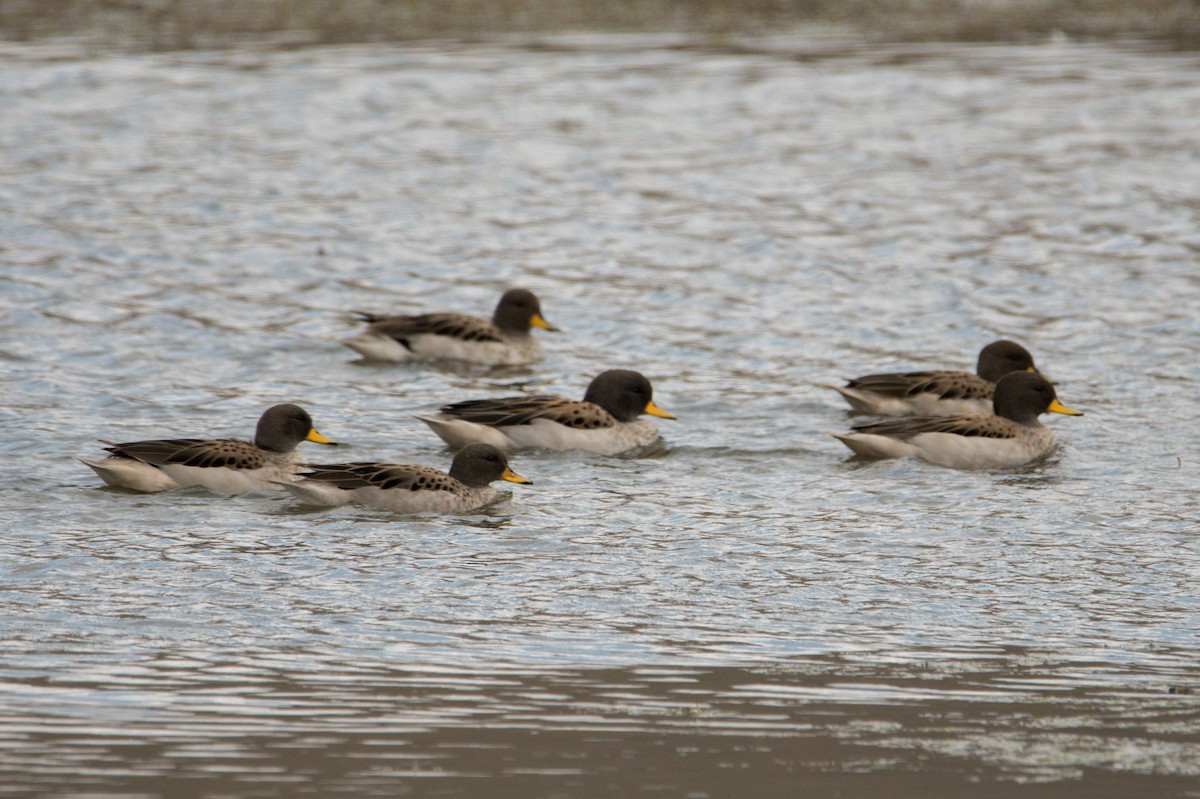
point(654, 410)
point(1058, 407)
point(513, 477)
point(537, 321)
point(317, 438)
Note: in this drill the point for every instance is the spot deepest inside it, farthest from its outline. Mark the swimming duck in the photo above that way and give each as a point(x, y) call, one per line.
point(407, 488)
point(506, 340)
point(1011, 437)
point(222, 464)
point(605, 421)
point(938, 393)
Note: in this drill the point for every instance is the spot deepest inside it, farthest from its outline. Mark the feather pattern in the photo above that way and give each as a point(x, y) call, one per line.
point(1010, 437)
point(938, 392)
point(407, 488)
point(505, 340)
point(229, 453)
point(510, 411)
point(943, 385)
point(221, 464)
point(967, 425)
point(386, 476)
point(606, 420)
point(453, 325)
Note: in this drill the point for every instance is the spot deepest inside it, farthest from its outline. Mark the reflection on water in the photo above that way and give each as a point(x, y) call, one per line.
point(183, 237)
point(913, 726)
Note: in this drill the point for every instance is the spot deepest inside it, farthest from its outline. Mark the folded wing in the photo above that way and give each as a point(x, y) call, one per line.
point(509, 411)
point(462, 327)
point(387, 476)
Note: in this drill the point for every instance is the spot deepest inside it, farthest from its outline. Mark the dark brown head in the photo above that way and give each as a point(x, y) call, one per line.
point(282, 427)
point(1003, 357)
point(518, 311)
point(1024, 396)
point(625, 394)
point(477, 465)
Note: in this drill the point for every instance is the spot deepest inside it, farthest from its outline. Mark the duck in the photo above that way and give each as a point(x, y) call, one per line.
point(1010, 437)
point(227, 465)
point(504, 341)
point(605, 421)
point(407, 488)
point(938, 393)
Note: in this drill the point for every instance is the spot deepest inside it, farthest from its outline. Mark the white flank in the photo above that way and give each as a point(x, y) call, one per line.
point(135, 475)
point(378, 348)
point(515, 351)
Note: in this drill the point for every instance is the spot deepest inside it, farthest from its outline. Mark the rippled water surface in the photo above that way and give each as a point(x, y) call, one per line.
point(739, 611)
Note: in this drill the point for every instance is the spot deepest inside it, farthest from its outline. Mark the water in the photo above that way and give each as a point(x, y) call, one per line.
point(182, 238)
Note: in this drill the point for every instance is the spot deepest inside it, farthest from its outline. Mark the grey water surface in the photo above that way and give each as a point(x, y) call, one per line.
point(739, 611)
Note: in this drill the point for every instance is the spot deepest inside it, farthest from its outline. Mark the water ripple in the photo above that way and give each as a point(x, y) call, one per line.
point(746, 228)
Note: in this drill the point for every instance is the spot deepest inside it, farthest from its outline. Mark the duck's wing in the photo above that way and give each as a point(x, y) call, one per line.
point(508, 411)
point(968, 425)
point(461, 327)
point(944, 385)
point(229, 453)
point(386, 476)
